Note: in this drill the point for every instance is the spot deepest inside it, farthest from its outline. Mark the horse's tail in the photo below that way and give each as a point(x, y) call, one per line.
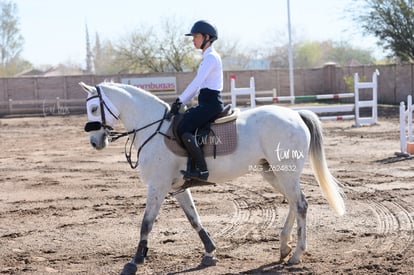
point(328, 183)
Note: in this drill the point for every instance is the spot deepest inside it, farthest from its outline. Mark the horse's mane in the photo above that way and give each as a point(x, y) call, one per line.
point(133, 90)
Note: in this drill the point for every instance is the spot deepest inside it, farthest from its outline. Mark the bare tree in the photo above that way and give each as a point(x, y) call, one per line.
point(139, 51)
point(234, 58)
point(177, 51)
point(11, 41)
point(146, 50)
point(277, 48)
point(343, 53)
point(105, 59)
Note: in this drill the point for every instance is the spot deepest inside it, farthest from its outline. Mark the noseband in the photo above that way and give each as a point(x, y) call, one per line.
point(97, 125)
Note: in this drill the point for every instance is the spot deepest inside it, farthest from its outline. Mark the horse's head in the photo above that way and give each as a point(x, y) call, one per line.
point(102, 116)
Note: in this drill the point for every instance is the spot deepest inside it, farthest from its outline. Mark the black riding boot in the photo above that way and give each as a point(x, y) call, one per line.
point(200, 172)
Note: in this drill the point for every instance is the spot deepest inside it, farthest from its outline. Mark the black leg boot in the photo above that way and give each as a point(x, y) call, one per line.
point(200, 172)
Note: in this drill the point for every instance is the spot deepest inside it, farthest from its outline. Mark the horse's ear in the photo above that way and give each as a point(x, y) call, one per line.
point(87, 88)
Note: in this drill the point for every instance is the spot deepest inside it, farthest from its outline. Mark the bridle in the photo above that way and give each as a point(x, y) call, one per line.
point(97, 125)
point(113, 136)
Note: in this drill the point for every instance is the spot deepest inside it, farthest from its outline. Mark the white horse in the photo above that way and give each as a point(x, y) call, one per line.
point(273, 140)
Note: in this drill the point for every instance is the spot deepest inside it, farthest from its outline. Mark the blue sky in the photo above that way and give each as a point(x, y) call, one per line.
point(54, 30)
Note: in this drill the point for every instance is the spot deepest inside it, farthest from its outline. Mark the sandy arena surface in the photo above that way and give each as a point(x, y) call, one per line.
point(68, 209)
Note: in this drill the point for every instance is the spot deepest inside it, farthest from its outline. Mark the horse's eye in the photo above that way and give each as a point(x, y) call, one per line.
point(94, 109)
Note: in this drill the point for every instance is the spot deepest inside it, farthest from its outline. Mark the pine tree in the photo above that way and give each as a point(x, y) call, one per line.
point(89, 55)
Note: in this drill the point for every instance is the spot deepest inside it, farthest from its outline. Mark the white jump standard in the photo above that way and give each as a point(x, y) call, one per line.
point(338, 108)
point(406, 129)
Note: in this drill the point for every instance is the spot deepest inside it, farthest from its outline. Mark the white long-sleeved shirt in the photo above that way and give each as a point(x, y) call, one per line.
point(209, 75)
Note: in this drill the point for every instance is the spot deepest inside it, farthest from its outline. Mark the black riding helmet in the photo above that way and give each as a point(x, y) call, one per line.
point(204, 27)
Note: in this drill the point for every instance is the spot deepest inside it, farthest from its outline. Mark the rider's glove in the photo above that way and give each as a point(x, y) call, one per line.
point(175, 107)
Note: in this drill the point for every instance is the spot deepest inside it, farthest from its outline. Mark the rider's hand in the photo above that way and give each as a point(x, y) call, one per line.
point(175, 107)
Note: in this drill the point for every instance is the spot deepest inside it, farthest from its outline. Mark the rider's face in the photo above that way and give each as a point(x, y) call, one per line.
point(198, 40)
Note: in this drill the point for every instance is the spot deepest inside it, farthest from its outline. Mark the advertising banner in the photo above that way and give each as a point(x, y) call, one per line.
point(159, 85)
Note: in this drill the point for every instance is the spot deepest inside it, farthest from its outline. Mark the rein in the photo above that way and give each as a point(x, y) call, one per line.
point(115, 135)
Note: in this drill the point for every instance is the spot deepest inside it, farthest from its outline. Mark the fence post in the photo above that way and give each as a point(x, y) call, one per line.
point(252, 93)
point(329, 78)
point(58, 103)
point(10, 105)
point(232, 88)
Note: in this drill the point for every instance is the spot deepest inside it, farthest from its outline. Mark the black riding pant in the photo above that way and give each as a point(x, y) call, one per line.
point(209, 106)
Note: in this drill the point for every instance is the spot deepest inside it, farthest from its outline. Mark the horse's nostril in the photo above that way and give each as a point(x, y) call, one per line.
point(93, 144)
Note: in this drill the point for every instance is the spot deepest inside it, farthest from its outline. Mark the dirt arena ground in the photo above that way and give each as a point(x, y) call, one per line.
point(68, 209)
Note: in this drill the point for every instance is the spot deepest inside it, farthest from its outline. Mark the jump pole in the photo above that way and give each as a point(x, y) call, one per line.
point(277, 99)
point(318, 109)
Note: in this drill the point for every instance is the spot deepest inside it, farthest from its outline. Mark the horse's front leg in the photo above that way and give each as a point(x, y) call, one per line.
point(187, 204)
point(155, 198)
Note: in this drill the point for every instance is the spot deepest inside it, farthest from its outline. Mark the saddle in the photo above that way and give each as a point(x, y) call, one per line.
point(216, 138)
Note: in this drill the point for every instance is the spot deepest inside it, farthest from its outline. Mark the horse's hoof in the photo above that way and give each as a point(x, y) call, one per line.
point(285, 253)
point(129, 269)
point(209, 261)
point(292, 262)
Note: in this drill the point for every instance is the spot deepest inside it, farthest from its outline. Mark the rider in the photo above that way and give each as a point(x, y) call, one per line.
point(209, 83)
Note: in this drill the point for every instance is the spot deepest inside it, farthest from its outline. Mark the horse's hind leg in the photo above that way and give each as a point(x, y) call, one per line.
point(297, 210)
point(187, 204)
point(286, 234)
point(300, 207)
